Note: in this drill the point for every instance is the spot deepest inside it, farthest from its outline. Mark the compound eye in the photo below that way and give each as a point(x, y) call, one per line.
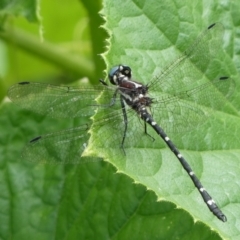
point(126, 70)
point(116, 71)
point(112, 74)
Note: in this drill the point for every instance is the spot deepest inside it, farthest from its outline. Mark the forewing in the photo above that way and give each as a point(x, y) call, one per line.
point(189, 109)
point(188, 71)
point(57, 101)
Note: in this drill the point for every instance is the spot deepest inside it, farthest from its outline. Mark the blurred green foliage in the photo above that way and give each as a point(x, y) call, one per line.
point(62, 46)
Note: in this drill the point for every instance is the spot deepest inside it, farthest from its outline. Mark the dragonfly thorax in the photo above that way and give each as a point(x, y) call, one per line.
point(133, 93)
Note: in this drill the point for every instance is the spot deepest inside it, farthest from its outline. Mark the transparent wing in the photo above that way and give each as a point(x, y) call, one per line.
point(188, 71)
point(186, 110)
point(57, 101)
point(67, 146)
point(60, 147)
point(186, 88)
point(172, 114)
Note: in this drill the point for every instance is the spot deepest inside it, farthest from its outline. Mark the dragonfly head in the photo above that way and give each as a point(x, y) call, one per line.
point(119, 71)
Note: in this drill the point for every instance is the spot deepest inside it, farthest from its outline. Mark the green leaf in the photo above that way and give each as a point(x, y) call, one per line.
point(76, 201)
point(25, 8)
point(98, 36)
point(148, 36)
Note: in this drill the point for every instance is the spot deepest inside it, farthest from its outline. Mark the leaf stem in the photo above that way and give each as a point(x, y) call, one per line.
point(75, 64)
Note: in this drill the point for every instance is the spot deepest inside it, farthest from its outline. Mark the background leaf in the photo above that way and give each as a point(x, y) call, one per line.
point(25, 8)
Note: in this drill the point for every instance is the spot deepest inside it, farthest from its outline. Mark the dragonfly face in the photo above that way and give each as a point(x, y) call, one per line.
point(119, 71)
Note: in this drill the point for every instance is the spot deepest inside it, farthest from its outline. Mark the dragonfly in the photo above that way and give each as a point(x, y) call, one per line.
point(176, 100)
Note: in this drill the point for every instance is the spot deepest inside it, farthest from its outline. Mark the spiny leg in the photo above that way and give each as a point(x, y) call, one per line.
point(145, 131)
point(125, 123)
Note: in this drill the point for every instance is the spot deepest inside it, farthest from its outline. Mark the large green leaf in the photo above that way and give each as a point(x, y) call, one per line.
point(90, 201)
point(147, 36)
